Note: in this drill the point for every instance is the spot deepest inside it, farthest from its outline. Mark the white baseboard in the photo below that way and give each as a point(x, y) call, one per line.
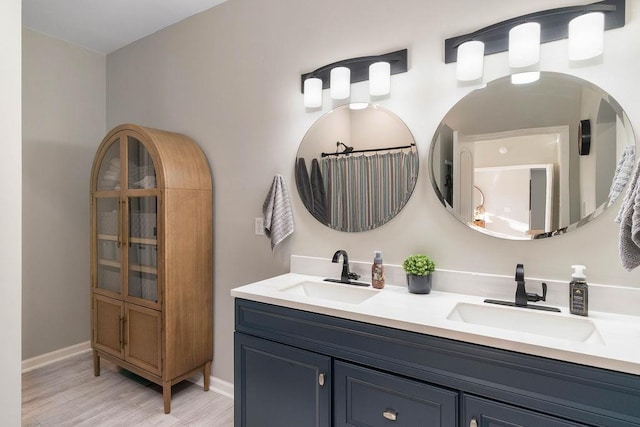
point(55, 356)
point(222, 387)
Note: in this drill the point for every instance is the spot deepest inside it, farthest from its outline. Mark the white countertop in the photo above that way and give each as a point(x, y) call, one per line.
point(614, 346)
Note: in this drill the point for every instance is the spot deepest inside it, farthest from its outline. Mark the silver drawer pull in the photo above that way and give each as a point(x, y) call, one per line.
point(473, 423)
point(321, 379)
point(390, 414)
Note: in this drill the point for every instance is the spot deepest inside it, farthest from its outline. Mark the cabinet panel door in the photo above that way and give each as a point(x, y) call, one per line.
point(278, 385)
point(365, 397)
point(143, 340)
point(486, 413)
point(108, 325)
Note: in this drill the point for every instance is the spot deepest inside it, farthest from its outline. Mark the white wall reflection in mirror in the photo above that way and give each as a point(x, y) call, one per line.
point(506, 158)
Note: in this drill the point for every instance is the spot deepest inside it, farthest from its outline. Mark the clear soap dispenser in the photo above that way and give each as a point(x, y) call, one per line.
point(579, 292)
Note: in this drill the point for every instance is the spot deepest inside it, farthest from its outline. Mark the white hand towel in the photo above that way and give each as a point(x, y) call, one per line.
point(276, 212)
point(629, 219)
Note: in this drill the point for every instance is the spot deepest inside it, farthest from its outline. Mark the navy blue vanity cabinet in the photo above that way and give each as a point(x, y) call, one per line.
point(486, 413)
point(380, 374)
point(366, 397)
point(278, 385)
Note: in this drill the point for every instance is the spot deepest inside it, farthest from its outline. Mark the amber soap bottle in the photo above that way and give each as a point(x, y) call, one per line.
point(377, 271)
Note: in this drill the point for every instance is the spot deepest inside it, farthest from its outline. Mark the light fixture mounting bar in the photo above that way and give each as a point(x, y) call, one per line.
point(553, 26)
point(359, 67)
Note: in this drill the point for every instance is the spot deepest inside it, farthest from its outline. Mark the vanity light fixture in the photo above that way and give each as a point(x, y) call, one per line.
point(340, 83)
point(359, 71)
point(524, 45)
point(586, 36)
point(553, 24)
point(470, 61)
point(379, 78)
point(525, 77)
point(313, 93)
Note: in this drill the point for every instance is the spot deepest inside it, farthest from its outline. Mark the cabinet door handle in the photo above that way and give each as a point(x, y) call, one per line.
point(121, 330)
point(473, 423)
point(125, 214)
point(390, 414)
point(321, 379)
point(119, 231)
point(124, 331)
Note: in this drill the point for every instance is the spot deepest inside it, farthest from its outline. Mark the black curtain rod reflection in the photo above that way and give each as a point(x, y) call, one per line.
point(368, 150)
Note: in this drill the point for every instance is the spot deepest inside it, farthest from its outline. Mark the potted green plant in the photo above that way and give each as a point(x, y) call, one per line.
point(419, 268)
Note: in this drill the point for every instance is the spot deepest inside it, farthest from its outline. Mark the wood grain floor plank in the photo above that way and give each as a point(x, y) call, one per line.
point(67, 394)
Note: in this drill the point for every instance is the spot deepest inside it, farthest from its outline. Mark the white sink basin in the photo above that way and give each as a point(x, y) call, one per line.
point(527, 321)
point(350, 294)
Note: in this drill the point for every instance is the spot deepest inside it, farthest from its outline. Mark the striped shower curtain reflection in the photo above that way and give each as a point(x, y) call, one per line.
point(364, 192)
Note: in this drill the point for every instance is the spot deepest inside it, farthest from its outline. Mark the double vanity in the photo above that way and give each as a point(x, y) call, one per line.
point(311, 352)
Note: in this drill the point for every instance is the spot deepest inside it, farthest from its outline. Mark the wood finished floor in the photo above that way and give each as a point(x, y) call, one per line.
point(67, 394)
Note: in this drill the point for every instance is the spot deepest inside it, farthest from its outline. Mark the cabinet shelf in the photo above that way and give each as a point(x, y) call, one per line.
point(143, 240)
point(111, 237)
point(138, 240)
point(143, 268)
point(107, 193)
point(109, 263)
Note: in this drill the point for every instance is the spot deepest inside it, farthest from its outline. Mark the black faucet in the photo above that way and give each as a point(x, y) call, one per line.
point(521, 292)
point(522, 296)
point(345, 264)
point(346, 276)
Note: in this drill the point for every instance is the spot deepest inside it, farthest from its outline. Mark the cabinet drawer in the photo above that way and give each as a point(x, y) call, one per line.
point(486, 413)
point(365, 397)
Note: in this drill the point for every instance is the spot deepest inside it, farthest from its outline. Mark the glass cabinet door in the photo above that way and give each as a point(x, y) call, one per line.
point(142, 276)
point(141, 173)
point(109, 172)
point(143, 248)
point(109, 244)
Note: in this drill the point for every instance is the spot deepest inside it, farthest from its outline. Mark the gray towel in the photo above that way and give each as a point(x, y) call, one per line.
point(623, 172)
point(303, 184)
point(319, 196)
point(276, 212)
point(629, 219)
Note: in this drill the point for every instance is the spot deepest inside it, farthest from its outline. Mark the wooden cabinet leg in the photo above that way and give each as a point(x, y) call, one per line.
point(96, 364)
point(166, 394)
point(207, 375)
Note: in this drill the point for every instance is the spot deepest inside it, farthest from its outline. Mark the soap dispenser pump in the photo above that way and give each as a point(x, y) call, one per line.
point(579, 292)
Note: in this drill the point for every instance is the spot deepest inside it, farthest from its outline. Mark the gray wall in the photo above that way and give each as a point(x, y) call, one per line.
point(230, 78)
point(10, 197)
point(63, 124)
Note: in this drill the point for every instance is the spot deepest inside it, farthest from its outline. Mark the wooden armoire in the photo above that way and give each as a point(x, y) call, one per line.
point(151, 256)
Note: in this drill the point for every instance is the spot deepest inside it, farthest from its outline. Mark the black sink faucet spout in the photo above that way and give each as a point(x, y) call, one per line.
point(344, 277)
point(522, 296)
point(521, 292)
